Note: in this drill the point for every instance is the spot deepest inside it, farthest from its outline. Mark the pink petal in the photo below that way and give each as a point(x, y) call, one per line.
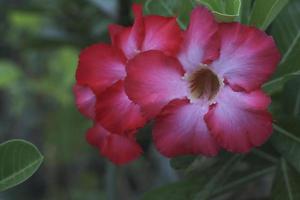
point(116, 112)
point(147, 33)
point(162, 33)
point(153, 79)
point(120, 149)
point(129, 39)
point(180, 130)
point(114, 31)
point(200, 43)
point(240, 121)
point(85, 100)
point(100, 66)
point(248, 56)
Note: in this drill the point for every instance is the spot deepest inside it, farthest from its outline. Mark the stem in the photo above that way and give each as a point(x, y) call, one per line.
point(111, 181)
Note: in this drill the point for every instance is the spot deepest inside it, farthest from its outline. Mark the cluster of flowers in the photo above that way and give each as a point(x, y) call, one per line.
point(201, 86)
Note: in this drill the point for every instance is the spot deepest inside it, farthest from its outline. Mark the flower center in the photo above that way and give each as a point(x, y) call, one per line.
point(204, 83)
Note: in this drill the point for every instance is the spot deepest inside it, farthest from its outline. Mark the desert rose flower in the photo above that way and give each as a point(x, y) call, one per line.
point(208, 97)
point(99, 88)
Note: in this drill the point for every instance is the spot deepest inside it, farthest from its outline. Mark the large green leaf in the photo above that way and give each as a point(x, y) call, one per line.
point(286, 184)
point(265, 11)
point(18, 161)
point(286, 32)
point(224, 10)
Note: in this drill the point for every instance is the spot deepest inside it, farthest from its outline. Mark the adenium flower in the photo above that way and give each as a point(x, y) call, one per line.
point(99, 88)
point(209, 96)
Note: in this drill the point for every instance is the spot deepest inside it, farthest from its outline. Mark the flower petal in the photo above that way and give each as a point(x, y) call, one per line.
point(116, 112)
point(180, 130)
point(120, 149)
point(114, 31)
point(129, 39)
point(153, 79)
point(162, 33)
point(248, 56)
point(239, 120)
point(100, 66)
point(200, 40)
point(85, 100)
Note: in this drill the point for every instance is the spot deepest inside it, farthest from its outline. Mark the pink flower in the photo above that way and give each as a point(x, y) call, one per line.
point(210, 96)
point(99, 88)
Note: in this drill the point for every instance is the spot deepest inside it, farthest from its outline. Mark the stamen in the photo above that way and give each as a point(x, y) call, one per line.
point(204, 83)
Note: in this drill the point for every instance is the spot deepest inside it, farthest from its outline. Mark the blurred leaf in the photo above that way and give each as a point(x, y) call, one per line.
point(265, 11)
point(28, 21)
point(58, 81)
point(68, 140)
point(286, 138)
point(287, 143)
point(245, 11)
point(19, 159)
point(224, 10)
point(277, 84)
point(182, 162)
point(218, 178)
point(181, 190)
point(287, 37)
point(180, 9)
point(286, 184)
point(109, 6)
point(242, 180)
point(188, 188)
point(290, 97)
point(8, 73)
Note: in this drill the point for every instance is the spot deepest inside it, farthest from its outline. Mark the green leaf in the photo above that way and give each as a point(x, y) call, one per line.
point(19, 159)
point(224, 10)
point(265, 11)
point(286, 184)
point(8, 73)
point(287, 37)
point(182, 162)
